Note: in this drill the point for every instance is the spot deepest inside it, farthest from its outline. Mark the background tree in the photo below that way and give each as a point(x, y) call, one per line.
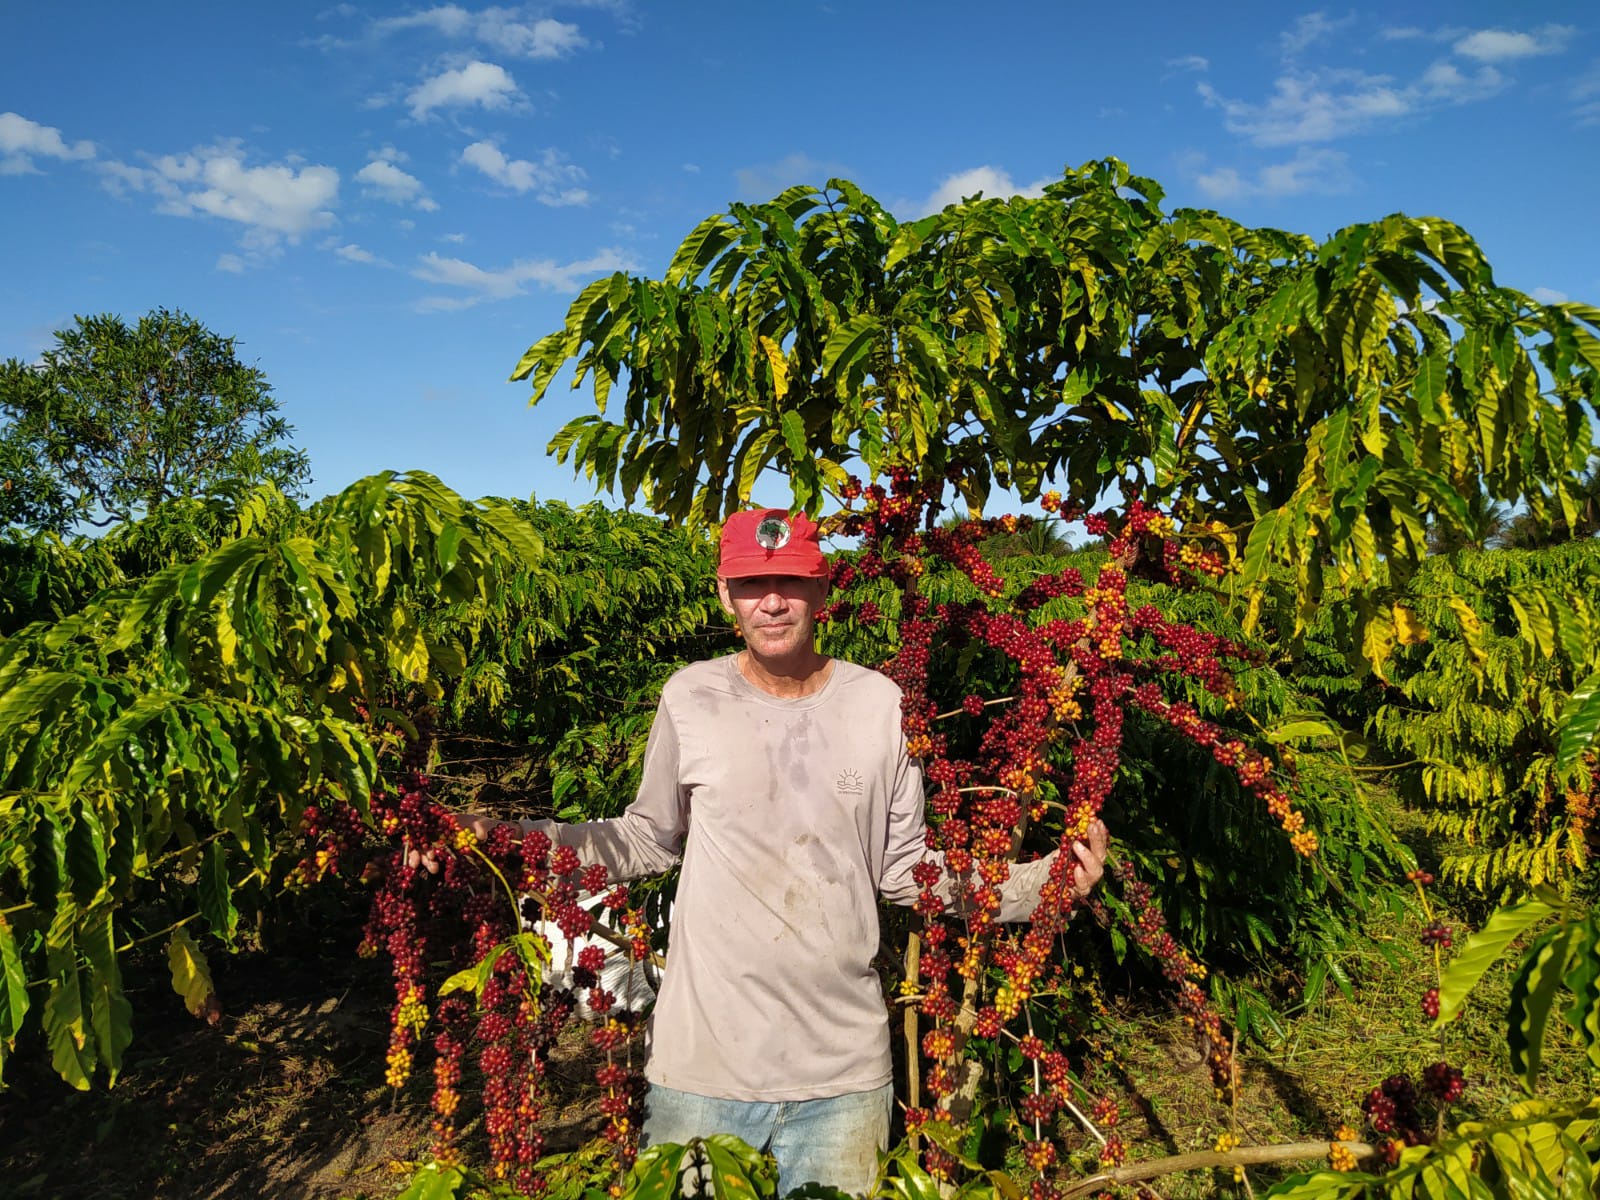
point(1326, 402)
point(114, 421)
point(1526, 532)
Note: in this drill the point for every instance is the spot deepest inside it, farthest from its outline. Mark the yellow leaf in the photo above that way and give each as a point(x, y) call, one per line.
point(780, 367)
point(227, 636)
point(1253, 611)
point(1377, 643)
point(1408, 626)
point(408, 652)
point(1471, 627)
point(1112, 410)
point(1227, 537)
point(191, 974)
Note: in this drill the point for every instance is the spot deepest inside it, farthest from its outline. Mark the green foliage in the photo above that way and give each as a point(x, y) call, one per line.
point(435, 1182)
point(1537, 1152)
point(44, 577)
point(1494, 708)
point(158, 746)
point(1565, 958)
point(1328, 402)
point(720, 1165)
point(570, 658)
point(1538, 1149)
point(1526, 531)
point(116, 420)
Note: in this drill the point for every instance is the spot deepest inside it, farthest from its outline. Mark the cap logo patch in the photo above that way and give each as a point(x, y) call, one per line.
point(772, 533)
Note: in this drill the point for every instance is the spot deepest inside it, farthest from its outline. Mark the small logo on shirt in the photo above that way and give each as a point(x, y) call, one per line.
point(848, 783)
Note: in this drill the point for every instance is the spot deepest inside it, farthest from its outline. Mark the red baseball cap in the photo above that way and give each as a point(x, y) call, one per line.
point(768, 541)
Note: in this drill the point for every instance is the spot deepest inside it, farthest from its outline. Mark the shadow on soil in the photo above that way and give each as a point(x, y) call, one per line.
point(284, 1097)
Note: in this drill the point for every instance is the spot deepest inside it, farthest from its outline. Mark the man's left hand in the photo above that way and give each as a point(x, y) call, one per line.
point(1091, 859)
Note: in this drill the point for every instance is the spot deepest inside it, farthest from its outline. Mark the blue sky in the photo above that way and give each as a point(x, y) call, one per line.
point(386, 204)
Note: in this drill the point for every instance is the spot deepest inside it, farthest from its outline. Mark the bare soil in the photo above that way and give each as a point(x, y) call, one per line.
point(283, 1098)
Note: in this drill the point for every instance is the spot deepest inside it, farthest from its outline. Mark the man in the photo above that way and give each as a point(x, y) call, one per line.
point(780, 778)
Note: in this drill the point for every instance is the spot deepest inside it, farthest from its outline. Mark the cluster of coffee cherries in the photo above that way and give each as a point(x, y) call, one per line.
point(444, 903)
point(332, 834)
point(1392, 1108)
point(986, 762)
point(1436, 937)
point(1184, 972)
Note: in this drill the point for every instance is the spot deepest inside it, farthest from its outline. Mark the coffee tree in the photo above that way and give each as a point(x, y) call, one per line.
point(1281, 419)
point(160, 744)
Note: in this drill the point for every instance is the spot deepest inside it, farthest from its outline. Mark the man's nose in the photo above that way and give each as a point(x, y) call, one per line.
point(774, 601)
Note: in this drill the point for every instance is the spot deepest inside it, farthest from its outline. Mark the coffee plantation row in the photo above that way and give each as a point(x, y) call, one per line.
point(1262, 437)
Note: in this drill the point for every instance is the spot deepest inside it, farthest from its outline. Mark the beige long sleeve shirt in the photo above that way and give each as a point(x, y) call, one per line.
point(791, 818)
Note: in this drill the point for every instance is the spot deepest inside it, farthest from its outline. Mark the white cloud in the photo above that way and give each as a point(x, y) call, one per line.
point(1313, 106)
point(544, 38)
point(231, 263)
point(449, 19)
point(553, 180)
point(1498, 45)
point(1585, 97)
point(765, 180)
point(515, 280)
point(487, 85)
point(1320, 170)
point(1189, 62)
point(1406, 33)
point(351, 252)
point(1309, 29)
point(381, 178)
point(22, 140)
point(1546, 295)
point(506, 29)
point(1445, 81)
point(993, 182)
point(274, 202)
point(1321, 105)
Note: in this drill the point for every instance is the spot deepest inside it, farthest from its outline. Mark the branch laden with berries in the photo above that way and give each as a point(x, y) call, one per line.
point(1044, 755)
point(477, 914)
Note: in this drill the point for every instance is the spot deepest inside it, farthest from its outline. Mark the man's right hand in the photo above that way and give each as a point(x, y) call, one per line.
point(477, 824)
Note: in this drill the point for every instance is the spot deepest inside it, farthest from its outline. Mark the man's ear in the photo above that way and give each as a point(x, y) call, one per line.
point(722, 596)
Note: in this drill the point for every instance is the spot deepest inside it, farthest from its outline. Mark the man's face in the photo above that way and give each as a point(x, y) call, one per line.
point(776, 613)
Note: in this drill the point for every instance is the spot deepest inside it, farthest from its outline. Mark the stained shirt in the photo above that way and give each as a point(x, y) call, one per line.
point(791, 817)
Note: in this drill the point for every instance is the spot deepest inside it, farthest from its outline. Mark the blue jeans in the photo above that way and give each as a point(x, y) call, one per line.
point(835, 1140)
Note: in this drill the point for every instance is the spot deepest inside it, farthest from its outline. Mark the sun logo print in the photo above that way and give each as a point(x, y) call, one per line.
point(848, 783)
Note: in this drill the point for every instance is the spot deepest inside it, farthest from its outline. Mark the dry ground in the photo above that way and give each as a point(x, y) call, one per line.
point(284, 1097)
